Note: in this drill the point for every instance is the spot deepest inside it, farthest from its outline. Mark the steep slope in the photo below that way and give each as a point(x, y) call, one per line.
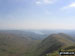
point(56, 53)
point(53, 43)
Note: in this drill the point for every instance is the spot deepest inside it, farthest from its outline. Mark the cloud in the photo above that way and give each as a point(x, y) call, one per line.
point(38, 2)
point(72, 5)
point(49, 1)
point(45, 1)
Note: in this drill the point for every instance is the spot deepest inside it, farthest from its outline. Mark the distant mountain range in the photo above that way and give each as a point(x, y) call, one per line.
point(36, 35)
point(39, 34)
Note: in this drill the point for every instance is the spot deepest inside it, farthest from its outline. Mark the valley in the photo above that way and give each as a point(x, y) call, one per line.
point(30, 43)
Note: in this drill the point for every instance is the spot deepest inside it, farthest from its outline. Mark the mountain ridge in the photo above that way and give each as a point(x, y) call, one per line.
point(53, 43)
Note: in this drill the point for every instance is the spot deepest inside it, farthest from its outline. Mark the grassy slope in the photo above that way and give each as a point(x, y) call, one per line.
point(56, 53)
point(52, 43)
point(14, 45)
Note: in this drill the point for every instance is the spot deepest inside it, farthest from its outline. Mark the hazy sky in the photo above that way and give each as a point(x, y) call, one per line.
point(37, 14)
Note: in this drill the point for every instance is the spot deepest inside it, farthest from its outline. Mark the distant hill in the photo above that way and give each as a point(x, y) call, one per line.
point(15, 44)
point(53, 43)
point(35, 35)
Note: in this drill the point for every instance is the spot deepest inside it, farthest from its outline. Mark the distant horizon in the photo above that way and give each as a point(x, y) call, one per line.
point(42, 29)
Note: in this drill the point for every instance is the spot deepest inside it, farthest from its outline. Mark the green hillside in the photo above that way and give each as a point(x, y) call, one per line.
point(15, 45)
point(56, 53)
point(21, 45)
point(53, 43)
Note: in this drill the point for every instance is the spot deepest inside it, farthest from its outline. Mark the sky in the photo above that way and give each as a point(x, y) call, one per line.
point(37, 14)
